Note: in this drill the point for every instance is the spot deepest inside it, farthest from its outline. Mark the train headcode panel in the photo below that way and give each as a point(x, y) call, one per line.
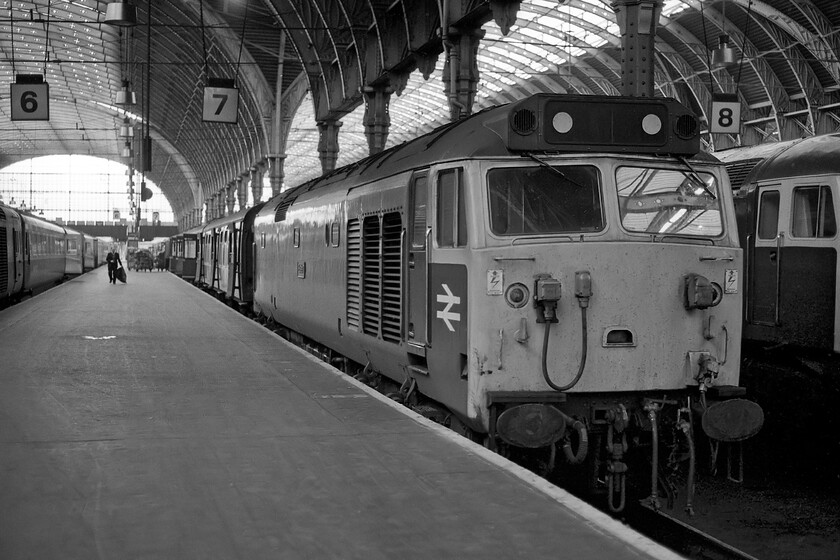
point(593, 123)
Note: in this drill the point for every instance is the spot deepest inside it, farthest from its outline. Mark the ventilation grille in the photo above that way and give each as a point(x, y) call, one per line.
point(354, 273)
point(523, 121)
point(686, 127)
point(372, 273)
point(4, 256)
point(391, 278)
point(280, 211)
point(374, 276)
point(739, 170)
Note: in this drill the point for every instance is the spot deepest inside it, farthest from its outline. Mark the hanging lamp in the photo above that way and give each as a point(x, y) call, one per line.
point(121, 14)
point(723, 54)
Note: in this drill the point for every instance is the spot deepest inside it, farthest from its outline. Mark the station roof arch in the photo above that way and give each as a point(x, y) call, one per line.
point(296, 63)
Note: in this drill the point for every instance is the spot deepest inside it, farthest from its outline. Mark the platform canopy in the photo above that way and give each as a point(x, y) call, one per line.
point(321, 79)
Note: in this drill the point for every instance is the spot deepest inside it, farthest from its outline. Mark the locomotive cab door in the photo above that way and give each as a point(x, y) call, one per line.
point(417, 266)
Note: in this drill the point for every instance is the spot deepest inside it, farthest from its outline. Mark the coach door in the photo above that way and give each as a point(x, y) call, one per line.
point(417, 266)
point(769, 240)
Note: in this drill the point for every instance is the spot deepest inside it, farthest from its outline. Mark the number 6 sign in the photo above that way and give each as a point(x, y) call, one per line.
point(220, 105)
point(726, 114)
point(30, 102)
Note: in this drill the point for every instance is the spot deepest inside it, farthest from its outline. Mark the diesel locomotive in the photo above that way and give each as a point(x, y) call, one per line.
point(560, 274)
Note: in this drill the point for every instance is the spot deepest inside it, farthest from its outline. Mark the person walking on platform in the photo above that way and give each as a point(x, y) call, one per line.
point(114, 262)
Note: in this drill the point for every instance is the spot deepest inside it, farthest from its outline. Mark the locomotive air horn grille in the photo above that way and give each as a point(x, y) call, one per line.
point(686, 126)
point(523, 121)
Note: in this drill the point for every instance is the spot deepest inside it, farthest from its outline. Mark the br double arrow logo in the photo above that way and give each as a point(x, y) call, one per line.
point(450, 300)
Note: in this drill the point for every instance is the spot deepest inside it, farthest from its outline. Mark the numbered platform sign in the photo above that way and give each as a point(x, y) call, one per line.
point(726, 114)
point(30, 102)
point(221, 105)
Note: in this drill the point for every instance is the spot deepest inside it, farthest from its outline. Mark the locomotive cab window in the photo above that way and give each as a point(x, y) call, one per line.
point(668, 201)
point(813, 212)
point(541, 199)
point(451, 209)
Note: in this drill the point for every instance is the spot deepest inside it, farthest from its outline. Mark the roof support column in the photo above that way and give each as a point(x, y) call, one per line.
point(637, 24)
point(257, 174)
point(328, 144)
point(209, 209)
point(460, 70)
point(242, 189)
point(276, 173)
point(232, 189)
point(377, 117)
point(220, 201)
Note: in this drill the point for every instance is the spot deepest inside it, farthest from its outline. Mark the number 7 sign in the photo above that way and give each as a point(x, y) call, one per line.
point(221, 105)
point(30, 102)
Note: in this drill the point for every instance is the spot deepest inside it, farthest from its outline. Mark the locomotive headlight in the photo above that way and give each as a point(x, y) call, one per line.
point(517, 295)
point(562, 122)
point(651, 124)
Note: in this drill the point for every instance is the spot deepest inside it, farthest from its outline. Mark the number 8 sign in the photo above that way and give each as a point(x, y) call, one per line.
point(726, 114)
point(30, 102)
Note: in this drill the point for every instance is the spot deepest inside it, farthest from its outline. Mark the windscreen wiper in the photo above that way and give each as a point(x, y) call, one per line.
point(554, 170)
point(694, 176)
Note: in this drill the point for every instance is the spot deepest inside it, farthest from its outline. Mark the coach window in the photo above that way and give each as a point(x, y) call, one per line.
point(813, 212)
point(768, 215)
point(451, 209)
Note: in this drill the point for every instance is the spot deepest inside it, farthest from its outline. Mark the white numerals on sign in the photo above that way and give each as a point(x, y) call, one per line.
point(30, 102)
point(220, 105)
point(726, 117)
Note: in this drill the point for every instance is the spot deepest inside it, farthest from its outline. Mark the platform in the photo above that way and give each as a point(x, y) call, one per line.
point(148, 420)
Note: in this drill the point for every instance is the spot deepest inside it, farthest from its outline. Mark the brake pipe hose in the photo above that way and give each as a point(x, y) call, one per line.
point(583, 339)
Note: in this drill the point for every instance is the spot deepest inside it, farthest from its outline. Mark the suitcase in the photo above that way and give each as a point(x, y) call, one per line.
point(121, 274)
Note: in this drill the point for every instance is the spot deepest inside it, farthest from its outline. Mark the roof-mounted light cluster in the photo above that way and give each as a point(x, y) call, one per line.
point(590, 123)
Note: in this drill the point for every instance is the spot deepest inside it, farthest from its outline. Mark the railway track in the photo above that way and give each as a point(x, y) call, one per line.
point(680, 536)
